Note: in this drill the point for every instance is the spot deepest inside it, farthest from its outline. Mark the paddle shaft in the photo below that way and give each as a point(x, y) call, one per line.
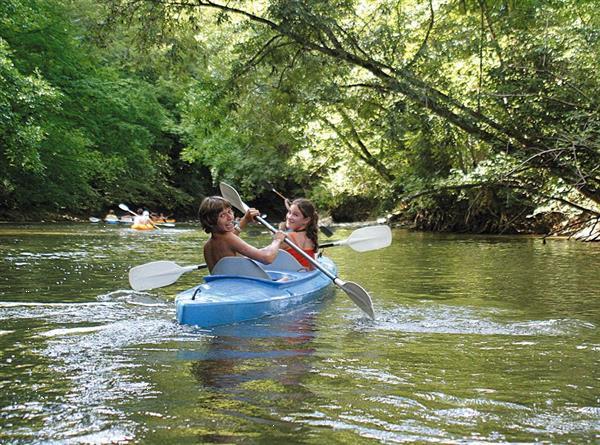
point(279, 194)
point(128, 210)
point(331, 244)
point(272, 188)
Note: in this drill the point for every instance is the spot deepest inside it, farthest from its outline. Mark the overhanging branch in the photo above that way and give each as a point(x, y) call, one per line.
point(497, 184)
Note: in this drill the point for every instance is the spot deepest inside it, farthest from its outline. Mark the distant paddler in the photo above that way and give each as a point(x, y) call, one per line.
point(111, 217)
point(158, 218)
point(142, 221)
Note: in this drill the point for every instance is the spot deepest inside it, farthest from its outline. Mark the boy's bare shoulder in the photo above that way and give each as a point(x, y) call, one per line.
point(224, 243)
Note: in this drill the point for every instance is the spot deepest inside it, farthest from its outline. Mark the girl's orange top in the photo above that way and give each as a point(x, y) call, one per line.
point(303, 261)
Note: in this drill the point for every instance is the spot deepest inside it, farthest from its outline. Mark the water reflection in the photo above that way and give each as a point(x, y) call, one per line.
point(276, 346)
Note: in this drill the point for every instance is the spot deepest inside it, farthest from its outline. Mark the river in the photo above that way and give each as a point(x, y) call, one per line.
point(477, 339)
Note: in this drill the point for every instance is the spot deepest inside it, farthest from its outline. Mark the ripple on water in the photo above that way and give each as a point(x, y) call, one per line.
point(97, 373)
point(440, 319)
point(70, 331)
point(134, 297)
point(27, 257)
point(370, 427)
point(110, 307)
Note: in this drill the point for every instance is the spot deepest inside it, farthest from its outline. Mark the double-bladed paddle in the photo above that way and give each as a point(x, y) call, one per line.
point(356, 293)
point(164, 273)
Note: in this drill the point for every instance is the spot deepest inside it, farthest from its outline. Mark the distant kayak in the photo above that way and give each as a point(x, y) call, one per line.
point(165, 223)
point(142, 227)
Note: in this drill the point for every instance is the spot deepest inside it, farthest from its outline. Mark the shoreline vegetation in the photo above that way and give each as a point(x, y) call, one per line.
point(582, 228)
point(463, 117)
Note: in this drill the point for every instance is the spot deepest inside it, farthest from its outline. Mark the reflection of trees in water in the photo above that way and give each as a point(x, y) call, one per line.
point(213, 373)
point(252, 376)
point(275, 349)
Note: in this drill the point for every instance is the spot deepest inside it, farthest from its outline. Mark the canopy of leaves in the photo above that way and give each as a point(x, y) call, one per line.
point(493, 105)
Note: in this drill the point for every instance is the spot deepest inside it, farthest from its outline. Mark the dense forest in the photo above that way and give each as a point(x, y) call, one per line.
point(459, 115)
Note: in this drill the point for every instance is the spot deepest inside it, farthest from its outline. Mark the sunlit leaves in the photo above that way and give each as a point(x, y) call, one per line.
point(24, 102)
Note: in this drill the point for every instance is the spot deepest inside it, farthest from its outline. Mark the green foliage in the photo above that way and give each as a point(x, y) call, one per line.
point(77, 135)
point(489, 108)
point(25, 100)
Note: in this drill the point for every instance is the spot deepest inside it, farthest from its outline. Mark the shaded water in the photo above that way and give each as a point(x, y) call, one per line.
point(476, 340)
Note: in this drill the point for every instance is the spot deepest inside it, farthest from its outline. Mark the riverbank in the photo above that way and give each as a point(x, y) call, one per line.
point(583, 227)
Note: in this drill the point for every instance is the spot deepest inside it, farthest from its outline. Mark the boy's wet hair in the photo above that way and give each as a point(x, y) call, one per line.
point(209, 211)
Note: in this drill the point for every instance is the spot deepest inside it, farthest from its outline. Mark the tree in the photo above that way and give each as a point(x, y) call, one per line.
point(78, 132)
point(527, 96)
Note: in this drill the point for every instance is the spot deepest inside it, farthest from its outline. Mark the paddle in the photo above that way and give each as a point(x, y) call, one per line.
point(127, 209)
point(93, 219)
point(163, 273)
point(158, 274)
point(365, 239)
point(325, 230)
point(356, 293)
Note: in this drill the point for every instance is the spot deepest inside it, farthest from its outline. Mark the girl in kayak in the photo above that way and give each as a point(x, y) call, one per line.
point(302, 226)
point(217, 218)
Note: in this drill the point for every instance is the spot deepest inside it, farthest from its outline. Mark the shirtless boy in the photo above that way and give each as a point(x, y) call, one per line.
point(217, 218)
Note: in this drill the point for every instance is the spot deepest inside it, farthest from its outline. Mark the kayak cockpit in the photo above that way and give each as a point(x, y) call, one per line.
point(245, 267)
point(282, 272)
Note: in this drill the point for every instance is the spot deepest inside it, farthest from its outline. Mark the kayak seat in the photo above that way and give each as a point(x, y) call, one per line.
point(241, 266)
point(285, 262)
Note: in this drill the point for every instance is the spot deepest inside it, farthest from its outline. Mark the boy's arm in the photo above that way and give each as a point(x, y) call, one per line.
point(265, 255)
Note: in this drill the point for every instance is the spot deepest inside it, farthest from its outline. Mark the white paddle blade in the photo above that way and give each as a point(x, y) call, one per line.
point(156, 274)
point(360, 297)
point(370, 238)
point(231, 195)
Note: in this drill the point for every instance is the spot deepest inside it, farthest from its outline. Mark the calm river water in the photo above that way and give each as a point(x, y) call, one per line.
point(476, 340)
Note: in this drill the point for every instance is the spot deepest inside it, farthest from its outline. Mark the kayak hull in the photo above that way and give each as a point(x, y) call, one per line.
point(229, 299)
point(143, 227)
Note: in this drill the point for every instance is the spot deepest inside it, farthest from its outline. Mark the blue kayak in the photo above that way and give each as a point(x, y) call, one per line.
point(240, 289)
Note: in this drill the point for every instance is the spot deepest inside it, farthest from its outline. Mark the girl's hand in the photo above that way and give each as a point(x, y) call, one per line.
point(279, 236)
